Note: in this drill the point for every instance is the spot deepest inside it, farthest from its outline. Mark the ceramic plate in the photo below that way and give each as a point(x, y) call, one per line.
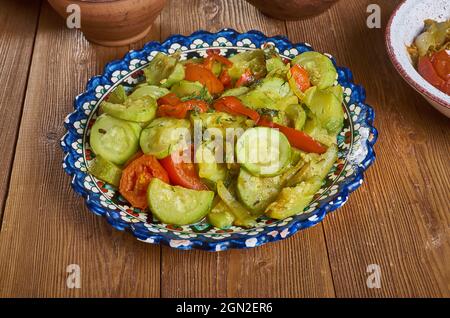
point(355, 144)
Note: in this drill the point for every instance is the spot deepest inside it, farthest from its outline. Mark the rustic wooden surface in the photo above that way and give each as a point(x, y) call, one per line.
point(399, 219)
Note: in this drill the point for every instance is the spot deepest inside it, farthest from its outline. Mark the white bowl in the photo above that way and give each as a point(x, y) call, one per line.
point(404, 25)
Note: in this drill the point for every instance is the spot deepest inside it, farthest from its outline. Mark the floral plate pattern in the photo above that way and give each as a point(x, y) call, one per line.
point(355, 144)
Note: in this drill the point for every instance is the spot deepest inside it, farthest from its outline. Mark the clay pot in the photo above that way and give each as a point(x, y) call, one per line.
point(113, 22)
point(292, 9)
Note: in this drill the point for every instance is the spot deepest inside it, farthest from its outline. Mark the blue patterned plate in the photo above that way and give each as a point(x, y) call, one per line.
point(355, 144)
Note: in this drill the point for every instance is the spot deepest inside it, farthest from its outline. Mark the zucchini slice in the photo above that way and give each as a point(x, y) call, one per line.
point(263, 151)
point(114, 139)
point(178, 205)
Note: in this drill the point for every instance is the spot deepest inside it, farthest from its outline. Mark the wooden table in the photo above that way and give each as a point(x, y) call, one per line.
point(398, 219)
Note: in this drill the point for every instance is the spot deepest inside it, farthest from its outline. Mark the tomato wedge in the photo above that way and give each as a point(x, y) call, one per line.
point(181, 109)
point(245, 78)
point(136, 178)
point(426, 69)
point(169, 99)
point(232, 105)
point(297, 139)
point(181, 170)
point(300, 77)
point(225, 78)
point(197, 72)
point(441, 63)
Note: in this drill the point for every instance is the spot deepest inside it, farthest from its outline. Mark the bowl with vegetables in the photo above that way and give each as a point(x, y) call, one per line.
point(418, 44)
point(219, 140)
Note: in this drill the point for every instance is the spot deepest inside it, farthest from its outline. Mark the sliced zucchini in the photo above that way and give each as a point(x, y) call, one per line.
point(220, 120)
point(105, 170)
point(139, 110)
point(326, 105)
point(316, 166)
point(178, 205)
point(321, 70)
point(243, 217)
point(176, 76)
point(253, 60)
point(116, 140)
point(293, 200)
point(297, 116)
point(256, 193)
point(149, 90)
point(210, 160)
point(118, 95)
point(237, 91)
point(221, 216)
point(274, 63)
point(187, 89)
point(263, 151)
point(314, 129)
point(160, 68)
point(165, 135)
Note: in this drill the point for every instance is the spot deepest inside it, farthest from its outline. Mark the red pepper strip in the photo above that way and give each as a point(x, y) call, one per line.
point(225, 78)
point(214, 56)
point(169, 99)
point(301, 77)
point(197, 72)
point(181, 109)
point(182, 172)
point(234, 106)
point(245, 78)
point(297, 139)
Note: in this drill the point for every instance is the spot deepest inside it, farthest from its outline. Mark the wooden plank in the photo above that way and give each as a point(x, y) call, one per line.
point(297, 266)
point(18, 21)
point(46, 225)
point(399, 218)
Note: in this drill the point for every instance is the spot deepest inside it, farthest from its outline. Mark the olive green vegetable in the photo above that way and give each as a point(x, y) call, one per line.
point(297, 115)
point(118, 95)
point(242, 216)
point(176, 76)
point(321, 70)
point(190, 89)
point(160, 68)
point(434, 36)
point(316, 166)
point(238, 91)
point(293, 200)
point(326, 105)
point(141, 110)
point(105, 170)
point(178, 205)
point(220, 216)
point(149, 90)
point(114, 139)
point(210, 158)
point(263, 151)
point(165, 135)
point(256, 193)
point(254, 60)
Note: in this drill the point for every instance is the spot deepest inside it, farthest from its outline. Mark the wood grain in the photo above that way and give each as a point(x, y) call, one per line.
point(399, 218)
point(297, 267)
point(46, 226)
point(16, 47)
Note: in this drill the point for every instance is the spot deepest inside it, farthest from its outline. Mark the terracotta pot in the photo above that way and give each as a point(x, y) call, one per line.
point(113, 22)
point(292, 9)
